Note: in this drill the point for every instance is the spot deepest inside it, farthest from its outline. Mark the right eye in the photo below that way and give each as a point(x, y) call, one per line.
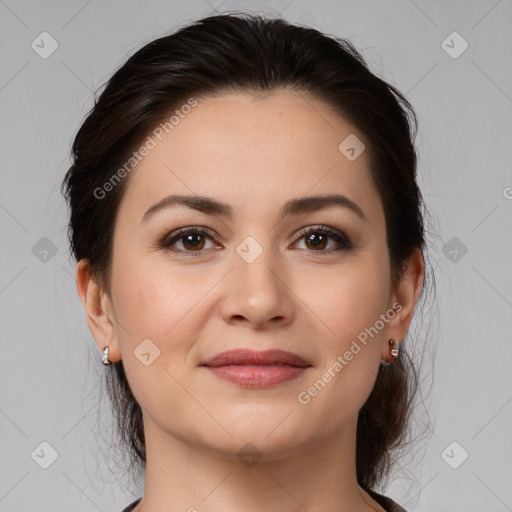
point(193, 240)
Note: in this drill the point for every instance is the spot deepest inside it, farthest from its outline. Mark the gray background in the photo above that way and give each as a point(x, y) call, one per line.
point(50, 366)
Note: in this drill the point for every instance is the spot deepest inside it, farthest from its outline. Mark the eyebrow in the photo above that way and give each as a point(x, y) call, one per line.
point(297, 206)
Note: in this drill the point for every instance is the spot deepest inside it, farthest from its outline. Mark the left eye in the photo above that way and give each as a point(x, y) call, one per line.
point(317, 237)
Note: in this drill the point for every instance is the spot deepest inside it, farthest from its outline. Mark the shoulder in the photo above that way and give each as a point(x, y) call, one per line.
point(131, 506)
point(387, 503)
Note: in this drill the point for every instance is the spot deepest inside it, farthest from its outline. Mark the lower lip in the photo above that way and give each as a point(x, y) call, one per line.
point(257, 376)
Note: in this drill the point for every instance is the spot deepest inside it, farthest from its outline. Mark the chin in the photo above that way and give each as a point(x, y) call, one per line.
point(273, 431)
point(256, 446)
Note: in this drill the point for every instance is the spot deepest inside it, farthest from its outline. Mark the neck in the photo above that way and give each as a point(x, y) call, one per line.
point(185, 476)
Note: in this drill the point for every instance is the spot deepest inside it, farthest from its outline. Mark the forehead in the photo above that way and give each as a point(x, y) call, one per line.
point(254, 153)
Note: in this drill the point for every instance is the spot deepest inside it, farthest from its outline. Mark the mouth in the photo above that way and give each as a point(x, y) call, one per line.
point(254, 369)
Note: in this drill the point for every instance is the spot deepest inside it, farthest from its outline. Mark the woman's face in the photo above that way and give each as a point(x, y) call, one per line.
point(253, 281)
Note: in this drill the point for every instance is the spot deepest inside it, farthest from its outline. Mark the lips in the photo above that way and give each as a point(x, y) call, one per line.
point(253, 369)
point(245, 357)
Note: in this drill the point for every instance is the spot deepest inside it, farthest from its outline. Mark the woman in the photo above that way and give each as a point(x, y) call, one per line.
point(250, 246)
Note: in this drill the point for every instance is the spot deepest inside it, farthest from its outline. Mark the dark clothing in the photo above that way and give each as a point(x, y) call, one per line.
point(387, 503)
point(130, 507)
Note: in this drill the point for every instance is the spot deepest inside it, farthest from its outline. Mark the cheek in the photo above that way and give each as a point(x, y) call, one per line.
point(346, 302)
point(160, 302)
point(348, 305)
point(151, 306)
point(147, 304)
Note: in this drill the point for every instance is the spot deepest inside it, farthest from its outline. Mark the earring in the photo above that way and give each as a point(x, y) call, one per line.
point(104, 357)
point(396, 346)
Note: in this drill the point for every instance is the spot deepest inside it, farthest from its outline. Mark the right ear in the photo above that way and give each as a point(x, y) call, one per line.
point(98, 311)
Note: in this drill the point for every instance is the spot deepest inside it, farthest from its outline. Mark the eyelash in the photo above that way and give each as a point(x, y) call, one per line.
point(345, 243)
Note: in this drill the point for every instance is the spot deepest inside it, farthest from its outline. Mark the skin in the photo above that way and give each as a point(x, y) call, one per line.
point(254, 154)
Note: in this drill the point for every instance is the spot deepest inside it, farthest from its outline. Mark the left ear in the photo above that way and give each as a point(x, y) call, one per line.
point(403, 302)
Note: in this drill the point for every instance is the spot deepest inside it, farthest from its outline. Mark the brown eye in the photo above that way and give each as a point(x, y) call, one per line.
point(317, 239)
point(193, 242)
point(188, 240)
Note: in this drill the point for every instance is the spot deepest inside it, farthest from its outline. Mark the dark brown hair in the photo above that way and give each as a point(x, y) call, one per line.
point(254, 55)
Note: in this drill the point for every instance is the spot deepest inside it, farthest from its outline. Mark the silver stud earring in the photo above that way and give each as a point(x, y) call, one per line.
point(104, 357)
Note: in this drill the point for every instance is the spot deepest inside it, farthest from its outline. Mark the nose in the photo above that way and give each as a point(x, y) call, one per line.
point(257, 294)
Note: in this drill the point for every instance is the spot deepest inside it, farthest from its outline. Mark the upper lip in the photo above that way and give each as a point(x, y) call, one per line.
point(254, 357)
